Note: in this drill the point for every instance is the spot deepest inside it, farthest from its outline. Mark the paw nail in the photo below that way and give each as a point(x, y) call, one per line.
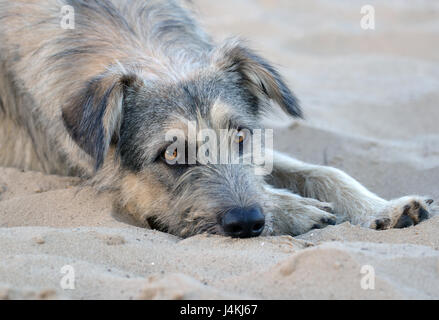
point(329, 221)
point(423, 215)
point(404, 222)
point(379, 224)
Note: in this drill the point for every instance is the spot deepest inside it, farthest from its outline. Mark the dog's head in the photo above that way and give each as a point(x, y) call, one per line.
point(156, 125)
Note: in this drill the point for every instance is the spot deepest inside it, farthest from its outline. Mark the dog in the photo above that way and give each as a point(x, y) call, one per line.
point(96, 100)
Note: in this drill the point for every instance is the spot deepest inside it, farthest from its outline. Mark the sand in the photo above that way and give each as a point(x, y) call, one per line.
point(371, 103)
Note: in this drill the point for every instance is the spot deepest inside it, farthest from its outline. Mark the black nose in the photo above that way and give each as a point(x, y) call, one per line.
point(244, 222)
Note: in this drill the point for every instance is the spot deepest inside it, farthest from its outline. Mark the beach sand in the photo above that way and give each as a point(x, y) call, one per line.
point(371, 103)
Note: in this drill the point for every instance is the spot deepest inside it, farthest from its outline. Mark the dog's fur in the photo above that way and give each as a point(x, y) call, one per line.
point(96, 101)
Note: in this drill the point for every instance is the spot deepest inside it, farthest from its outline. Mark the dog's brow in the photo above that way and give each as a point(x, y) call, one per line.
point(222, 115)
point(220, 110)
point(225, 116)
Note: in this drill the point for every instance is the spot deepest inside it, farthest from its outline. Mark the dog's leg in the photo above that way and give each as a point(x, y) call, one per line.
point(289, 213)
point(350, 200)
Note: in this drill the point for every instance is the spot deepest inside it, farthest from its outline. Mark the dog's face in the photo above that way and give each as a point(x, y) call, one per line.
point(147, 120)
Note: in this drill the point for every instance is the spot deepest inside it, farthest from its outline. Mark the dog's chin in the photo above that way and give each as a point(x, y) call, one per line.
point(210, 230)
point(155, 225)
point(207, 229)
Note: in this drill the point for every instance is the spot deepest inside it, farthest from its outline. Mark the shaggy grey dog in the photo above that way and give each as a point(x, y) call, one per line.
point(96, 98)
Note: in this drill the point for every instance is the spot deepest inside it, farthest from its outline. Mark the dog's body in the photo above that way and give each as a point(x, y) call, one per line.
point(97, 100)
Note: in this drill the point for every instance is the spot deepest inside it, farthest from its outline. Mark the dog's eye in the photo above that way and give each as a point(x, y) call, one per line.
point(170, 155)
point(240, 136)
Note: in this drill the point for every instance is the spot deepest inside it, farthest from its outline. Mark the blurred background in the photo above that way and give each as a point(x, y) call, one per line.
point(370, 97)
point(371, 103)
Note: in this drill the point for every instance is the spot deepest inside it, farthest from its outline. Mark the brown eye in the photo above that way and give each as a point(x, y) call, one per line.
point(240, 136)
point(170, 155)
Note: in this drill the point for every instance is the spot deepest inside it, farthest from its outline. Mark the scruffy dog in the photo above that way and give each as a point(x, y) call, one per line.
point(96, 99)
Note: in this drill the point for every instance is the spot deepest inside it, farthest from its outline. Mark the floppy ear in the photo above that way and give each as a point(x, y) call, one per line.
point(257, 75)
point(93, 116)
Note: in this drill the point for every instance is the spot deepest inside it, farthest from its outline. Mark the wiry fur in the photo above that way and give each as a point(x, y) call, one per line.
point(96, 101)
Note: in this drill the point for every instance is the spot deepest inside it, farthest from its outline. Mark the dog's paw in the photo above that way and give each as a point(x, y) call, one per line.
point(291, 214)
point(311, 217)
point(324, 206)
point(405, 212)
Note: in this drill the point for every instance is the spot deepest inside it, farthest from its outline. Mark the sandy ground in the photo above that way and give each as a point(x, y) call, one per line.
point(371, 102)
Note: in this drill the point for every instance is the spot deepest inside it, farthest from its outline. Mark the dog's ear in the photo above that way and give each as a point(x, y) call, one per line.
point(93, 115)
point(259, 77)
